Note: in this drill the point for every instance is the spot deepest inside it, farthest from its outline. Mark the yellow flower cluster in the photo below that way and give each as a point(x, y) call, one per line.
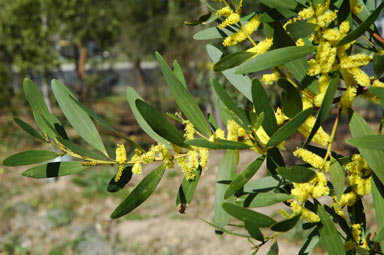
point(243, 33)
point(261, 47)
point(280, 117)
point(315, 188)
point(269, 79)
point(311, 158)
point(359, 175)
point(121, 158)
point(305, 213)
point(321, 137)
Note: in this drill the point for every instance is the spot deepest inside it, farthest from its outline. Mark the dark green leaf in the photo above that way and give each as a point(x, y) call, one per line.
point(267, 199)
point(325, 107)
point(285, 225)
point(300, 29)
point(243, 177)
point(240, 82)
point(329, 236)
point(337, 178)
point(240, 213)
point(183, 98)
point(232, 60)
point(291, 100)
point(378, 203)
point(125, 177)
point(379, 92)
point(284, 4)
point(297, 174)
point(160, 124)
point(186, 191)
point(212, 121)
point(29, 157)
point(363, 27)
point(218, 144)
point(372, 142)
point(262, 104)
point(263, 184)
point(40, 109)
point(378, 65)
point(274, 58)
point(140, 193)
point(289, 128)
point(131, 97)
point(226, 173)
point(228, 102)
point(310, 243)
point(253, 230)
point(55, 169)
point(179, 73)
point(76, 116)
point(274, 250)
point(27, 128)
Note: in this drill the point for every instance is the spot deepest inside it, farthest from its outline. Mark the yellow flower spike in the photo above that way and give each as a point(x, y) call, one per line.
point(347, 99)
point(233, 131)
point(243, 33)
point(269, 79)
point(284, 213)
point(230, 20)
point(321, 137)
point(300, 42)
point(348, 199)
point(333, 35)
point(356, 6)
point(225, 11)
point(262, 135)
point(322, 8)
point(204, 154)
point(121, 154)
point(301, 191)
point(307, 13)
point(305, 213)
point(360, 76)
point(378, 84)
point(280, 117)
point(326, 19)
point(261, 47)
point(311, 158)
point(190, 130)
point(356, 232)
point(357, 60)
point(137, 169)
point(344, 27)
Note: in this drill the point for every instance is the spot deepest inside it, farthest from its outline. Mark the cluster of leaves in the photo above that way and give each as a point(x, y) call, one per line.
point(264, 129)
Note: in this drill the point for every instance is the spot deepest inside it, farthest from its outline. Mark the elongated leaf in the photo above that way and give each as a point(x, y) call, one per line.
point(310, 243)
point(291, 100)
point(232, 60)
point(285, 225)
point(125, 177)
point(212, 121)
point(183, 98)
point(379, 92)
point(274, 58)
point(226, 173)
point(29, 157)
point(378, 203)
point(76, 116)
point(160, 124)
point(359, 127)
point(230, 145)
point(297, 174)
point(140, 193)
point(81, 150)
point(243, 177)
point(240, 82)
point(300, 29)
point(325, 107)
point(372, 142)
point(223, 230)
point(105, 124)
point(228, 102)
point(253, 230)
point(266, 199)
point(329, 236)
point(40, 110)
point(260, 220)
point(378, 65)
point(132, 96)
point(289, 128)
point(284, 4)
point(262, 104)
point(380, 235)
point(179, 73)
point(263, 184)
point(30, 130)
point(54, 169)
point(337, 177)
point(274, 250)
point(212, 33)
point(186, 192)
point(362, 28)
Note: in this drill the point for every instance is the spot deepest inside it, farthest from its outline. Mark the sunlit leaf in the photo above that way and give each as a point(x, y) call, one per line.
point(29, 157)
point(54, 169)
